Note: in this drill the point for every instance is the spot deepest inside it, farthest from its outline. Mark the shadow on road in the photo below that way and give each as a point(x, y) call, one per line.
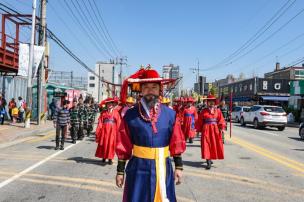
point(194, 164)
point(87, 161)
point(298, 149)
point(193, 145)
point(46, 147)
point(296, 138)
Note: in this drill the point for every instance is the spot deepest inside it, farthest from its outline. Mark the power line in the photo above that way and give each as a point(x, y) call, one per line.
point(269, 37)
point(69, 29)
point(90, 26)
point(105, 33)
point(104, 24)
point(277, 49)
point(52, 36)
point(75, 19)
point(282, 10)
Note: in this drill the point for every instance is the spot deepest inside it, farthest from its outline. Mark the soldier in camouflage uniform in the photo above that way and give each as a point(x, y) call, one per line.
point(82, 116)
point(91, 118)
point(74, 120)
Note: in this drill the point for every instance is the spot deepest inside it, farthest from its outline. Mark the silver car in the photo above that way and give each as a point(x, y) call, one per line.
point(238, 111)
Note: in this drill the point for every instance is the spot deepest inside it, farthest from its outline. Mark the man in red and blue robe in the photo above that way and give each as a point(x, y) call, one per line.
point(148, 135)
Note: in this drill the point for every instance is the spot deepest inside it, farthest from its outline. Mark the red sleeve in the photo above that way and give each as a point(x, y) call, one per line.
point(98, 129)
point(220, 120)
point(124, 145)
point(177, 143)
point(200, 121)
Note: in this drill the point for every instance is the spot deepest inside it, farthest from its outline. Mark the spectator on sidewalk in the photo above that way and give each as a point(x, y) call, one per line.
point(21, 108)
point(15, 114)
point(2, 114)
point(2, 109)
point(61, 123)
point(2, 101)
point(11, 105)
point(52, 107)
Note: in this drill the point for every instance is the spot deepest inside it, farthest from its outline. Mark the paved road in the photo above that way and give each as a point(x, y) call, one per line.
point(260, 165)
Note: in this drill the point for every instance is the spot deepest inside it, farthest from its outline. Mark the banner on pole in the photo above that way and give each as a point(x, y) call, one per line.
point(24, 50)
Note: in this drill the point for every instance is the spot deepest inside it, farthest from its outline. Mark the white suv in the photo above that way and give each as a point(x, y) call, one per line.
point(264, 115)
point(237, 112)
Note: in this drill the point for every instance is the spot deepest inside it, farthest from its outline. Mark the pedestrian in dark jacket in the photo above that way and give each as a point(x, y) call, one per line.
point(74, 118)
point(61, 123)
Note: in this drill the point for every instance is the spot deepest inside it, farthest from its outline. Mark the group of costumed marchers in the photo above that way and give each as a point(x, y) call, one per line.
point(144, 136)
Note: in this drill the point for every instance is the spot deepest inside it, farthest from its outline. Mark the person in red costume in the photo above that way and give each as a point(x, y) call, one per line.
point(106, 132)
point(211, 124)
point(189, 120)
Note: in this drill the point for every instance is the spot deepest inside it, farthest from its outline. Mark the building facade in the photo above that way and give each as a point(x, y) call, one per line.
point(257, 90)
point(291, 73)
point(172, 71)
point(98, 89)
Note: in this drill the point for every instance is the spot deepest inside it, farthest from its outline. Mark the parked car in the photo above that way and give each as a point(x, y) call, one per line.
point(264, 115)
point(301, 131)
point(237, 112)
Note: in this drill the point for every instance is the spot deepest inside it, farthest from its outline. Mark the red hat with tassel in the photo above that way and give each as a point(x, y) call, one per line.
point(147, 75)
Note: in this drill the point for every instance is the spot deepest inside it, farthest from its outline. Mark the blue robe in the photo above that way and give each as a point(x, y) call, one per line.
point(140, 181)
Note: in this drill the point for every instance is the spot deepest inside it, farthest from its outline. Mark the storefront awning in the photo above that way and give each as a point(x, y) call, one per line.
point(276, 98)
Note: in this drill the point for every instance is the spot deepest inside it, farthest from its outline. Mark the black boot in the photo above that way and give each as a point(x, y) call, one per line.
point(190, 140)
point(110, 162)
point(74, 141)
point(57, 144)
point(208, 165)
point(103, 160)
point(61, 147)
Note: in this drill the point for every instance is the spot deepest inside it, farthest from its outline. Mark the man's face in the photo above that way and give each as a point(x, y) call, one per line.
point(211, 103)
point(110, 105)
point(150, 92)
point(74, 104)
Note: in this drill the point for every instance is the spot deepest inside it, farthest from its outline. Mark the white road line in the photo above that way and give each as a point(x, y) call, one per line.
point(18, 175)
point(274, 134)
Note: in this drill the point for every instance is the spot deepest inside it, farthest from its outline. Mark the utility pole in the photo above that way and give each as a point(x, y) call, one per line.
point(72, 78)
point(121, 61)
point(29, 97)
point(41, 69)
point(197, 71)
point(99, 82)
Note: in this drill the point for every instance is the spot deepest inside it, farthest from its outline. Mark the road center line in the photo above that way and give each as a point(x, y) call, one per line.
point(29, 169)
point(270, 155)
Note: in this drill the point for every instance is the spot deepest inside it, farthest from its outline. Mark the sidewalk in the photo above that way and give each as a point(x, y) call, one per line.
point(10, 133)
point(293, 125)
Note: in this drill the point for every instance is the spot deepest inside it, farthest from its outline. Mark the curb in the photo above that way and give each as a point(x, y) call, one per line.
point(25, 136)
point(292, 125)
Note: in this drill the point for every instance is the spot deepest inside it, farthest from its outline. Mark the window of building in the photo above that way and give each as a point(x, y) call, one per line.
point(92, 85)
point(102, 71)
point(299, 73)
point(92, 77)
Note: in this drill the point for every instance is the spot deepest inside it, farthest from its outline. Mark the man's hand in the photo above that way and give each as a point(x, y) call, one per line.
point(120, 180)
point(178, 176)
point(54, 125)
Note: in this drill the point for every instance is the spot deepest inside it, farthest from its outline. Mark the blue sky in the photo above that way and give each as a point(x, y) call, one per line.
point(160, 32)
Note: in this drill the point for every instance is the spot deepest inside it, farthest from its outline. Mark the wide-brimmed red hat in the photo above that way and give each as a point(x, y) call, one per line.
point(176, 99)
point(147, 75)
point(211, 98)
point(108, 100)
point(190, 99)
